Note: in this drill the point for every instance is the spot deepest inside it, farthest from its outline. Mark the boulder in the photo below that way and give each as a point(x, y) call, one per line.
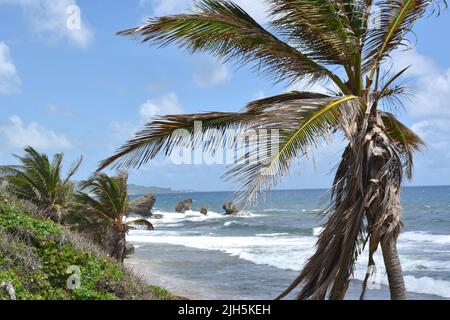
point(204, 210)
point(142, 206)
point(183, 206)
point(230, 208)
point(157, 216)
point(129, 249)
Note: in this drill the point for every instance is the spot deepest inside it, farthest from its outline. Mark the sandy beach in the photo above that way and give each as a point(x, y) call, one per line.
point(171, 267)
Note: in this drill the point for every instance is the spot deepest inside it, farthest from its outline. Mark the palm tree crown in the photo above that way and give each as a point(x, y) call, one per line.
point(39, 180)
point(311, 41)
point(106, 200)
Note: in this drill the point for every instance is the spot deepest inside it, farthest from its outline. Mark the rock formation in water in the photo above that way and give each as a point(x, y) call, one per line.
point(183, 206)
point(204, 210)
point(230, 208)
point(142, 206)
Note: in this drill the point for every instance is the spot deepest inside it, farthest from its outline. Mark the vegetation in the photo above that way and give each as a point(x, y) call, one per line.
point(36, 253)
point(107, 201)
point(312, 41)
point(40, 181)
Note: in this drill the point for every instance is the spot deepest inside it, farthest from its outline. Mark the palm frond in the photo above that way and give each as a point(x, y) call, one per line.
point(75, 166)
point(366, 185)
point(229, 33)
point(163, 134)
point(407, 141)
point(309, 120)
point(38, 179)
point(141, 222)
point(395, 22)
point(326, 29)
point(108, 197)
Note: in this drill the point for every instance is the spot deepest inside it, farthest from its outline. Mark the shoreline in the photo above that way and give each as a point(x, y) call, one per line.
point(162, 265)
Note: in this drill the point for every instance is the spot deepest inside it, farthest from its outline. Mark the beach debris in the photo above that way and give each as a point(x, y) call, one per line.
point(183, 206)
point(8, 287)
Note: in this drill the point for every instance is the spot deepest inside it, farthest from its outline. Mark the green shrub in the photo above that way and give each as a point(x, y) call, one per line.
point(35, 254)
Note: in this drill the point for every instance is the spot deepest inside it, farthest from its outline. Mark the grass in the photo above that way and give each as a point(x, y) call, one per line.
point(37, 255)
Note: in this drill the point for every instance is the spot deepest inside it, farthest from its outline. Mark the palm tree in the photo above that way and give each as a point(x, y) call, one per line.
point(40, 181)
point(310, 40)
point(107, 200)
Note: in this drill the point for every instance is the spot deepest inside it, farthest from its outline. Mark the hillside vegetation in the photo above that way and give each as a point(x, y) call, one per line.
point(39, 258)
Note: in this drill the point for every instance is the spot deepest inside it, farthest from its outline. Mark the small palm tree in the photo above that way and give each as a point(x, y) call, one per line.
point(309, 40)
point(107, 200)
point(40, 181)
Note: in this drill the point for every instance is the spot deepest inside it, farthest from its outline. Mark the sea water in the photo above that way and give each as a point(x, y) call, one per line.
point(257, 256)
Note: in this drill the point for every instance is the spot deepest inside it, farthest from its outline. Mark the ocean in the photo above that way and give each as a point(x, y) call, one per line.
point(256, 257)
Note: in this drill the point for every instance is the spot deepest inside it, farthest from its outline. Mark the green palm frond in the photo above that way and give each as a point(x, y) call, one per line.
point(407, 141)
point(229, 33)
point(162, 135)
point(395, 22)
point(39, 180)
point(327, 29)
point(107, 197)
point(262, 167)
point(141, 222)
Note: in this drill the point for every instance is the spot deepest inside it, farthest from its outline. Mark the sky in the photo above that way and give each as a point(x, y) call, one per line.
point(75, 87)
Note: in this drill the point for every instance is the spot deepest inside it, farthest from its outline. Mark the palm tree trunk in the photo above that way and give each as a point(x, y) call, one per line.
point(393, 269)
point(116, 244)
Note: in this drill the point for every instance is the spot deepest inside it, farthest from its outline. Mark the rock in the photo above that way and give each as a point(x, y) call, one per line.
point(142, 206)
point(129, 249)
point(157, 216)
point(204, 210)
point(183, 206)
point(230, 208)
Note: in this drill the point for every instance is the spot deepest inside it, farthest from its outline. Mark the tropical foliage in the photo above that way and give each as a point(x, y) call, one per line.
point(310, 41)
point(106, 202)
point(40, 181)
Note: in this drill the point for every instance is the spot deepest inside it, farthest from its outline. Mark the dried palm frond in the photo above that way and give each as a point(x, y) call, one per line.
point(367, 185)
point(406, 140)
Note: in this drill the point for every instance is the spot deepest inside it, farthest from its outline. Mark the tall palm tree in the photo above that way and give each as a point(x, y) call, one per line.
point(40, 181)
point(107, 200)
point(308, 40)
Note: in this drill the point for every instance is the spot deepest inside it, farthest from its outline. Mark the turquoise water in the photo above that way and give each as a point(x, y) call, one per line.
point(257, 256)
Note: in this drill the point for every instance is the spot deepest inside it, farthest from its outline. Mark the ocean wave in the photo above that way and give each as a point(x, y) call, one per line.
point(420, 236)
point(271, 234)
point(290, 253)
point(317, 231)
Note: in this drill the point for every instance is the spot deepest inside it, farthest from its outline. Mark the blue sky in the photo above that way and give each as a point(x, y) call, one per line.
point(86, 91)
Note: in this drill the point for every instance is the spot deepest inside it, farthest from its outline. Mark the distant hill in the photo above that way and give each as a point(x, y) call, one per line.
point(134, 189)
point(137, 189)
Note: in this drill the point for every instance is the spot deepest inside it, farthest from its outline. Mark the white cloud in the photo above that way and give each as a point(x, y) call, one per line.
point(123, 130)
point(211, 73)
point(429, 106)
point(20, 135)
point(51, 20)
point(319, 87)
point(65, 112)
point(9, 77)
point(167, 104)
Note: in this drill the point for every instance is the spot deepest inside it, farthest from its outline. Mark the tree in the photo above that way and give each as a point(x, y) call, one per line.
point(107, 200)
point(40, 181)
point(313, 41)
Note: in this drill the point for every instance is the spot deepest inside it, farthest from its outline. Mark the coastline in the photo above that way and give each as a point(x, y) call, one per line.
point(162, 265)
